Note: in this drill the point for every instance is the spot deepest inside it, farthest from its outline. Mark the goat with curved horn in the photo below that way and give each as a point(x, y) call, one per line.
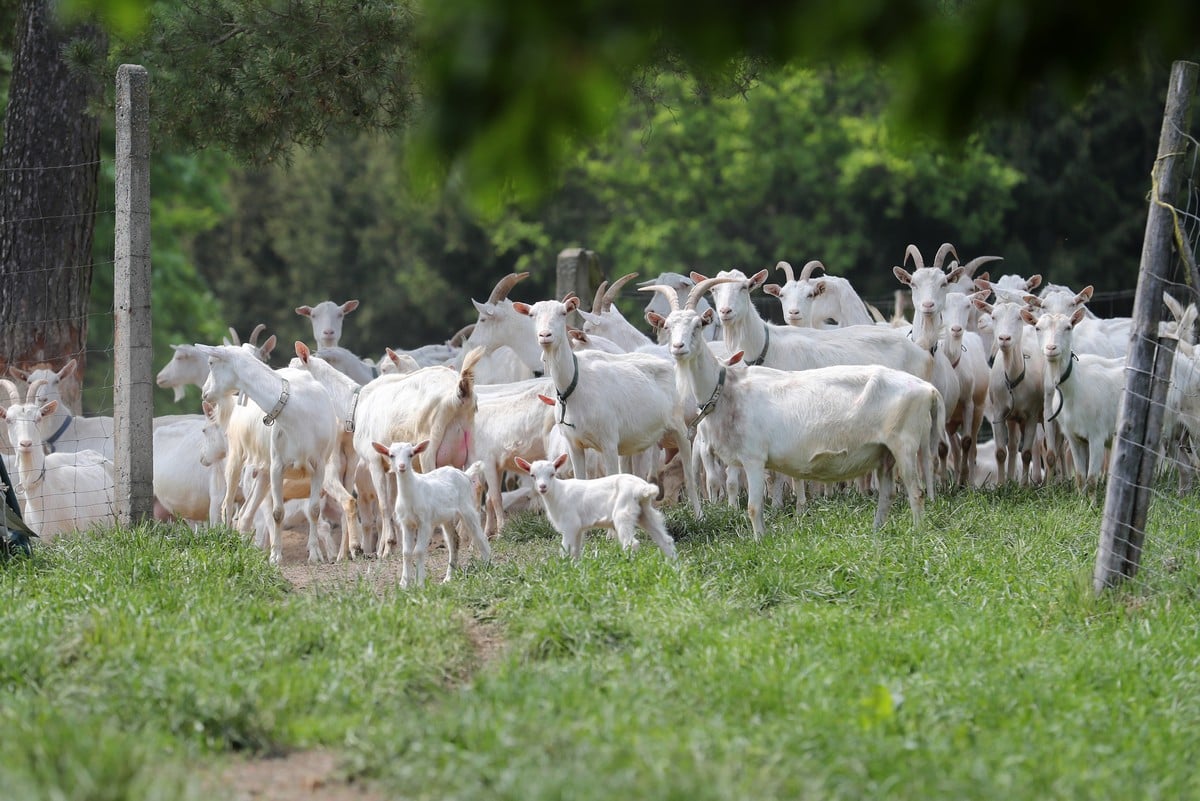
point(611, 293)
point(946, 249)
point(915, 253)
point(504, 286)
point(668, 294)
point(787, 270)
point(598, 301)
point(10, 389)
point(807, 272)
point(258, 329)
point(970, 267)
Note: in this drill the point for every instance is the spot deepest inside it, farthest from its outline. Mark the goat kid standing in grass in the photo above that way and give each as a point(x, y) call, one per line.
point(444, 497)
point(621, 502)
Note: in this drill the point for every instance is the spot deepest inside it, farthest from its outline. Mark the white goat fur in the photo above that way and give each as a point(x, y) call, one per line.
point(62, 491)
point(810, 302)
point(327, 318)
point(442, 497)
point(827, 424)
point(619, 502)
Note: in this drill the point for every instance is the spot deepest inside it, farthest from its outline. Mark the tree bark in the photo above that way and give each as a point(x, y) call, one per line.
point(49, 165)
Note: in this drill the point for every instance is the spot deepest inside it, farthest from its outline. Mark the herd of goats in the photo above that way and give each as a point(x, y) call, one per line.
point(719, 403)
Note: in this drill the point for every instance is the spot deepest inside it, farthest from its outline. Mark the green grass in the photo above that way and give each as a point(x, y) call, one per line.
point(966, 660)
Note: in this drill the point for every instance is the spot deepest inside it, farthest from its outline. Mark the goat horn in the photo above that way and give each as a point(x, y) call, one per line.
point(598, 301)
point(504, 286)
point(787, 270)
point(970, 267)
point(670, 294)
point(34, 386)
point(807, 272)
point(616, 287)
point(915, 252)
point(940, 256)
point(462, 335)
point(699, 289)
point(14, 397)
point(258, 329)
point(233, 336)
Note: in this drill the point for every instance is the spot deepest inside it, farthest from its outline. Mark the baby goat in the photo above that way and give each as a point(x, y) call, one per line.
point(621, 502)
point(441, 497)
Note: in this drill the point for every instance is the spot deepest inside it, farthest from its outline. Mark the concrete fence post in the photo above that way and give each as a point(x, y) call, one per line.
point(133, 390)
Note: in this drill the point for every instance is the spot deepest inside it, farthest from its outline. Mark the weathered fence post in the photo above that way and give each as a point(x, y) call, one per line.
point(575, 269)
point(1139, 427)
point(133, 386)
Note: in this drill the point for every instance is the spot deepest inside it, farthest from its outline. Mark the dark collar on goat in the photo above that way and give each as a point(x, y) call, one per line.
point(710, 404)
point(932, 351)
point(562, 396)
point(349, 426)
point(1066, 374)
point(761, 357)
point(284, 394)
point(53, 438)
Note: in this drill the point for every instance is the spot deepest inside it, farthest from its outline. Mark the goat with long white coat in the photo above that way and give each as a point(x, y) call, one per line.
point(298, 431)
point(619, 405)
point(1089, 389)
point(62, 491)
point(826, 424)
point(327, 318)
point(619, 502)
point(442, 497)
point(188, 481)
point(434, 403)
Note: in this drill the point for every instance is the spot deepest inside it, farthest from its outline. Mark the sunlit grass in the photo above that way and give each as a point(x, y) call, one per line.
point(828, 660)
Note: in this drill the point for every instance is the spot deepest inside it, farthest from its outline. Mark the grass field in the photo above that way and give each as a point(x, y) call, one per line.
point(968, 660)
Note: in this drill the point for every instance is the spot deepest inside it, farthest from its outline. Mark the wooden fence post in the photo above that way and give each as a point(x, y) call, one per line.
point(1139, 427)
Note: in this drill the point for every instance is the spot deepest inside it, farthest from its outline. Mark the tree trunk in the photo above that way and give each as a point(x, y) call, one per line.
point(48, 169)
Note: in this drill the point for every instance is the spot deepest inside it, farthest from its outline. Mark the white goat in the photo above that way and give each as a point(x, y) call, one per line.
point(62, 430)
point(62, 491)
point(1089, 389)
point(188, 366)
point(657, 307)
point(434, 403)
point(788, 348)
point(500, 325)
point(297, 433)
point(442, 497)
point(606, 320)
point(618, 405)
point(825, 302)
point(187, 484)
point(327, 318)
point(619, 502)
point(1109, 337)
point(830, 424)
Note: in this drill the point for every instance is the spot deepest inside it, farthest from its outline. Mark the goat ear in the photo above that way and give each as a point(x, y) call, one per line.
point(819, 287)
point(735, 358)
point(349, 306)
point(560, 461)
point(521, 463)
point(1028, 317)
point(302, 351)
point(18, 373)
point(1085, 294)
point(902, 275)
point(954, 274)
point(208, 409)
point(982, 282)
point(381, 448)
point(774, 290)
point(697, 277)
point(521, 308)
point(48, 408)
point(1032, 300)
point(304, 311)
point(68, 369)
point(268, 346)
point(545, 400)
point(758, 278)
point(708, 317)
point(656, 320)
point(572, 303)
point(1034, 282)
point(1078, 315)
point(577, 335)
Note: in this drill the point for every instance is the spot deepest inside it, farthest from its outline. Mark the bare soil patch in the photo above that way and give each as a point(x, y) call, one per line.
point(293, 777)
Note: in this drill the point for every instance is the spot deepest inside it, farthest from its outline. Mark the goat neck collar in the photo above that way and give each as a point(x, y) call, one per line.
point(932, 351)
point(26, 487)
point(761, 357)
point(53, 438)
point(284, 394)
point(707, 407)
point(1066, 374)
point(566, 393)
point(1016, 382)
point(349, 425)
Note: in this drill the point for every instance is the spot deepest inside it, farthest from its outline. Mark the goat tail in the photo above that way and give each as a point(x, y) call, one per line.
point(466, 374)
point(937, 436)
point(648, 493)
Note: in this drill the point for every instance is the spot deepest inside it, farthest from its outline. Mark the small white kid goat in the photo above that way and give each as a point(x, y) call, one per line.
point(620, 502)
point(443, 497)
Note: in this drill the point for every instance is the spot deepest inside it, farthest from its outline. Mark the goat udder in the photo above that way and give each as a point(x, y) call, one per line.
point(453, 449)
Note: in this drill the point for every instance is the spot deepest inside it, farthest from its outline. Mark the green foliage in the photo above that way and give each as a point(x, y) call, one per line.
point(968, 659)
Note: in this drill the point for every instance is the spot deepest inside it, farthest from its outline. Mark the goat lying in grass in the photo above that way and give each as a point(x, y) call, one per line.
point(621, 502)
